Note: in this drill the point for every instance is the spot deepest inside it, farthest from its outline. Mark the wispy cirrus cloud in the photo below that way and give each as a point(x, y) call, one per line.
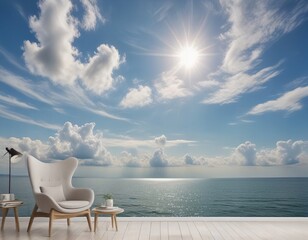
point(15, 102)
point(25, 86)
point(137, 97)
point(10, 58)
point(21, 11)
point(142, 143)
point(241, 83)
point(247, 36)
point(251, 30)
point(162, 12)
point(289, 102)
point(92, 14)
point(58, 96)
point(5, 113)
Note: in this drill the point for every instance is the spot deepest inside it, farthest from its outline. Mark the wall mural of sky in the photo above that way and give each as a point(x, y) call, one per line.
point(206, 86)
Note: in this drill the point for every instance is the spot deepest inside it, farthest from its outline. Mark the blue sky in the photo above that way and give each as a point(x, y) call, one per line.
point(156, 83)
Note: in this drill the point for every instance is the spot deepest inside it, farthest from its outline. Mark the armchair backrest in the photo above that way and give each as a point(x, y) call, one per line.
point(51, 174)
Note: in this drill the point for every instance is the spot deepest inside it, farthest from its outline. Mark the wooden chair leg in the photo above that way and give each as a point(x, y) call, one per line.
point(32, 218)
point(58, 215)
point(89, 219)
point(51, 217)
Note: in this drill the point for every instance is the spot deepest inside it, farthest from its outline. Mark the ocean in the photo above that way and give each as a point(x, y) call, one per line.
point(181, 197)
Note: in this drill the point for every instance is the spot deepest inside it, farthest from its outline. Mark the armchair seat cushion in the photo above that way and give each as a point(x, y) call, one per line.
point(73, 204)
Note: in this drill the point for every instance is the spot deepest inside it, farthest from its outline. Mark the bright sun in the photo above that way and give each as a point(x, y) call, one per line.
point(188, 57)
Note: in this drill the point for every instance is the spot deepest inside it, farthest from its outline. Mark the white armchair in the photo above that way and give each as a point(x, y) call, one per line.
point(54, 194)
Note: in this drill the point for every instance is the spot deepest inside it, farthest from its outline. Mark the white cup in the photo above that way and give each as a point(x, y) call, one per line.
point(12, 196)
point(7, 197)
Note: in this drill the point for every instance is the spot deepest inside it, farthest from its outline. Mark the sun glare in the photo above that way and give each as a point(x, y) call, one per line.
point(188, 57)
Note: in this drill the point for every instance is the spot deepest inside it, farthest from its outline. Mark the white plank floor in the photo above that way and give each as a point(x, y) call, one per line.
point(164, 229)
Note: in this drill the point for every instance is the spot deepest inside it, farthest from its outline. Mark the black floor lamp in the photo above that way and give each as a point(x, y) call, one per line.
point(13, 155)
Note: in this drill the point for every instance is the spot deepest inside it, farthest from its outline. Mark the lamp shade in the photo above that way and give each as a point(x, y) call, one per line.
point(14, 155)
point(15, 159)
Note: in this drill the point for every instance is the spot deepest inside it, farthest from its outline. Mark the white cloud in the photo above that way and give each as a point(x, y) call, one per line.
point(285, 153)
point(137, 97)
point(71, 140)
point(289, 152)
point(79, 141)
point(207, 84)
point(159, 159)
point(54, 55)
point(130, 160)
point(87, 145)
point(247, 39)
point(169, 86)
point(245, 154)
point(207, 161)
point(161, 141)
point(26, 145)
point(97, 74)
point(91, 15)
point(289, 101)
point(190, 160)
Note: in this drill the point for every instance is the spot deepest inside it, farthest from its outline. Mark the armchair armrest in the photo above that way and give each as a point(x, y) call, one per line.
point(86, 194)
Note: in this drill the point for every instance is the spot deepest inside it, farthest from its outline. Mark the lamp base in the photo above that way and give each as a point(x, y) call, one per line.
point(7, 197)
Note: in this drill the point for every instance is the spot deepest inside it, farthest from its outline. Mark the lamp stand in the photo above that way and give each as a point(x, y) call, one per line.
point(10, 171)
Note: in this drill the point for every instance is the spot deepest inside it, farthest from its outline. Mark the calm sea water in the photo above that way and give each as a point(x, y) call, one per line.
point(268, 197)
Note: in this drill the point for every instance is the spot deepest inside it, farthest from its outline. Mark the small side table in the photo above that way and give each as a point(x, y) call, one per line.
point(113, 212)
point(5, 209)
